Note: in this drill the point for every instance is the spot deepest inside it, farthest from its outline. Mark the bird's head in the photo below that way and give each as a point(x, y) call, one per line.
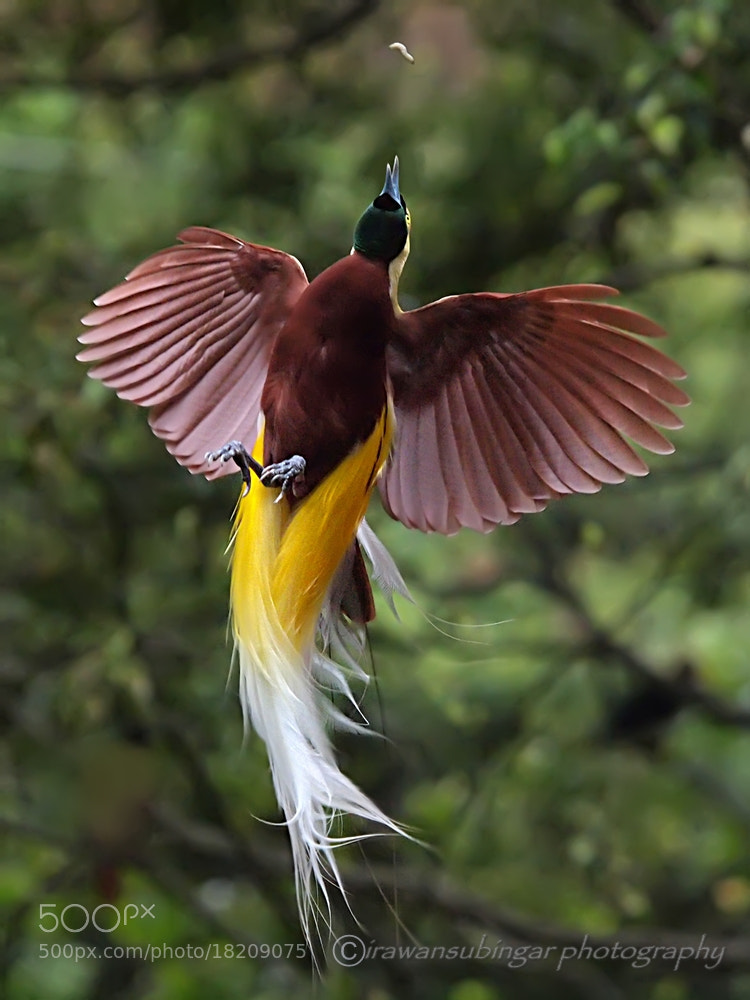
point(382, 232)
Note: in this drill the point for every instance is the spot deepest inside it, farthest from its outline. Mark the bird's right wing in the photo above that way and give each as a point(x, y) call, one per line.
point(188, 334)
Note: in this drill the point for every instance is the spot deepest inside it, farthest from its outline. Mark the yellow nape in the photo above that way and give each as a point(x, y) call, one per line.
point(395, 268)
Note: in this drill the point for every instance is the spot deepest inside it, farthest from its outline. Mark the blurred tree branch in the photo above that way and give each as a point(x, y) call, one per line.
point(640, 14)
point(220, 66)
point(682, 686)
point(463, 907)
point(632, 277)
point(207, 852)
point(600, 643)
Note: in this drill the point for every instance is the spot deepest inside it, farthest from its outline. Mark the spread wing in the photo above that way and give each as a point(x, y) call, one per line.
point(504, 402)
point(188, 333)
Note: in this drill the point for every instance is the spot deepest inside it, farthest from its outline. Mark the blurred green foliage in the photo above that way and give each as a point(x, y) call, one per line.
point(581, 768)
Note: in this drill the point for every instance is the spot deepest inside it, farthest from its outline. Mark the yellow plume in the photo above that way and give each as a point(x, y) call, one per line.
point(283, 563)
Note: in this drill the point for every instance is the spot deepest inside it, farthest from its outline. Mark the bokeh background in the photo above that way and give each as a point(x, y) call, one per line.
point(582, 769)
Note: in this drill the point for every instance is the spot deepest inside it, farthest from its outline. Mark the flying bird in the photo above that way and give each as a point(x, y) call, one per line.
point(467, 412)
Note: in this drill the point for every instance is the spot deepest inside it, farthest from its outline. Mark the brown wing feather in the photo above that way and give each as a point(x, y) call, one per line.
point(504, 402)
point(189, 332)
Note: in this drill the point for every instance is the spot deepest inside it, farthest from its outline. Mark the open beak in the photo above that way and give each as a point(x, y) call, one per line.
point(391, 182)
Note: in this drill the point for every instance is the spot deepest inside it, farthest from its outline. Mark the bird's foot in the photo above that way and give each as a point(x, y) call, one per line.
point(289, 475)
point(237, 452)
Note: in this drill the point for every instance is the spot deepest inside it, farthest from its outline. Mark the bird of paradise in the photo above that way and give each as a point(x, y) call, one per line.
point(468, 412)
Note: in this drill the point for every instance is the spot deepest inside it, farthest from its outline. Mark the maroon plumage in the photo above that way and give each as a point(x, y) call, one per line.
point(324, 392)
point(502, 402)
point(189, 333)
point(507, 401)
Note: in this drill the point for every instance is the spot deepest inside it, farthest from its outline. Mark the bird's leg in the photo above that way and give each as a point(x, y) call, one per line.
point(289, 475)
point(236, 451)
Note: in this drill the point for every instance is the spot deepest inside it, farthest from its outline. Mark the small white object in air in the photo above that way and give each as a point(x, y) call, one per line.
point(400, 47)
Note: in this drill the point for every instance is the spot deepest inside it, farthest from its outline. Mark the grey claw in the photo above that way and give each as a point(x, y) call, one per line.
point(287, 474)
point(227, 451)
point(235, 450)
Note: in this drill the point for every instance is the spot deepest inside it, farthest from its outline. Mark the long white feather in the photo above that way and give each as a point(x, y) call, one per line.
point(284, 565)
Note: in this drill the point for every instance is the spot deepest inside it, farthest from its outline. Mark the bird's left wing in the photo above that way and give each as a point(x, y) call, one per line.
point(188, 333)
point(504, 402)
